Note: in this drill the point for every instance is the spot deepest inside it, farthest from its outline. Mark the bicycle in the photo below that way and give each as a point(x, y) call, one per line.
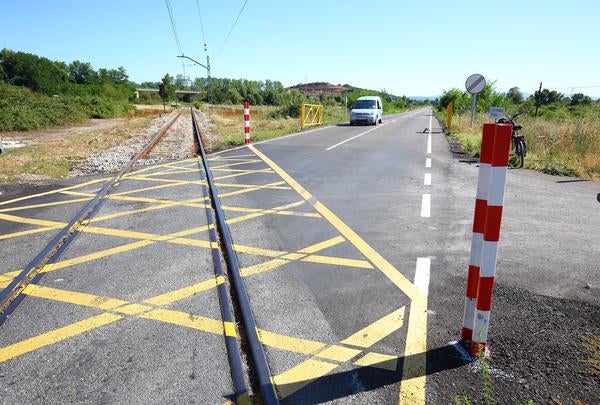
point(519, 146)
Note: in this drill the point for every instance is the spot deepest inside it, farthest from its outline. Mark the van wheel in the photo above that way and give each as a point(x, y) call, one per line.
point(380, 121)
point(375, 122)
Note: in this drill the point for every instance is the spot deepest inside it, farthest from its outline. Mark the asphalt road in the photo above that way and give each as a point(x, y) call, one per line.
point(354, 243)
point(374, 181)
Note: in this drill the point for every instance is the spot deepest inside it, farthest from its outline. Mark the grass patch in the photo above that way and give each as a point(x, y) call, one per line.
point(569, 146)
point(228, 126)
point(53, 156)
point(591, 345)
point(22, 109)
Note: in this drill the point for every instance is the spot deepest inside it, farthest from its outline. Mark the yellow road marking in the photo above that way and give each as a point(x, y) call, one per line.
point(412, 387)
point(239, 185)
point(262, 267)
point(338, 261)
point(29, 232)
point(31, 221)
point(86, 300)
point(87, 183)
point(56, 335)
point(48, 204)
point(289, 343)
point(232, 157)
point(235, 164)
point(381, 263)
point(378, 330)
point(187, 320)
point(384, 361)
point(93, 256)
point(323, 245)
point(412, 390)
point(243, 174)
point(301, 375)
point(338, 353)
point(185, 292)
point(257, 251)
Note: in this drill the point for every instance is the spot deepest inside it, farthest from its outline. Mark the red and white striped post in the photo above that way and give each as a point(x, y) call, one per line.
point(247, 122)
point(491, 235)
point(483, 181)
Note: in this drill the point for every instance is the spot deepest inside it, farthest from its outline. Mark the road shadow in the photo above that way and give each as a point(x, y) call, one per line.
point(363, 379)
point(469, 161)
point(427, 132)
point(571, 181)
point(598, 197)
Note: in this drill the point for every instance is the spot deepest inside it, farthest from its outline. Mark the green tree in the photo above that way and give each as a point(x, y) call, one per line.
point(580, 98)
point(460, 100)
point(167, 81)
point(514, 94)
point(82, 73)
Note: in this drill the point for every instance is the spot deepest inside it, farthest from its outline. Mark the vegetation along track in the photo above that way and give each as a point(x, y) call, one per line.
point(222, 247)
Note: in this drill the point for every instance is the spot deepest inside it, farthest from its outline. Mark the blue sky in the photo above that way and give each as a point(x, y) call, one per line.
point(407, 47)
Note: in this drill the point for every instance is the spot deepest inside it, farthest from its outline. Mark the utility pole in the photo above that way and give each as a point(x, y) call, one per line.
point(207, 67)
point(209, 83)
point(537, 100)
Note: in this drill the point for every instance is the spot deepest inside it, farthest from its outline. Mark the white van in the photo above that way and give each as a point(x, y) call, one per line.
point(367, 110)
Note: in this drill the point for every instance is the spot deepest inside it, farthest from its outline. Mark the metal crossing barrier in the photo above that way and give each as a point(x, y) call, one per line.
point(311, 115)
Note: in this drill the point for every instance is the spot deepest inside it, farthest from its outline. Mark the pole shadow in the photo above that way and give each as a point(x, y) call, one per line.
point(346, 383)
point(572, 181)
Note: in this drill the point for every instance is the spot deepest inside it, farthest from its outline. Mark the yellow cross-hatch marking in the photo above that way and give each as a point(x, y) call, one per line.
point(412, 386)
point(324, 358)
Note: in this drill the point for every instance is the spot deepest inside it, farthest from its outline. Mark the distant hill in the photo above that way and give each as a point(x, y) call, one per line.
point(325, 88)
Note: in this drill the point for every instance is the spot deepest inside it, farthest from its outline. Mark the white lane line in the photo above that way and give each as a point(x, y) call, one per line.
point(429, 136)
point(361, 134)
point(427, 180)
point(426, 206)
point(428, 163)
point(422, 274)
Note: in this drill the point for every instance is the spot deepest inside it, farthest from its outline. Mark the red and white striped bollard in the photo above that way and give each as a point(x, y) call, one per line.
point(483, 180)
point(247, 122)
point(491, 235)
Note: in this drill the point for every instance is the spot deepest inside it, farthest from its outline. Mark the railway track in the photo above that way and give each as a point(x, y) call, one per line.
point(250, 374)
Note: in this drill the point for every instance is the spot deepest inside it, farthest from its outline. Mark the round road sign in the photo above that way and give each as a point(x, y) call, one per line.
point(475, 83)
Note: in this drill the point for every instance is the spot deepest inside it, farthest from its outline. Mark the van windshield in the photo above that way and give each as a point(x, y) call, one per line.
point(365, 104)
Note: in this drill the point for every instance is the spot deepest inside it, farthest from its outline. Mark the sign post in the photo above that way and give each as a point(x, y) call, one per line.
point(474, 85)
point(449, 113)
point(496, 113)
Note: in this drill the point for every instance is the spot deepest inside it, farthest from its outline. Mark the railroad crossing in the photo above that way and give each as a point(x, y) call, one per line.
point(353, 266)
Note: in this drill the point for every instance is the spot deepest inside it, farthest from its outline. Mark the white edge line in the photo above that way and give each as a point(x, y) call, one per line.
point(429, 135)
point(426, 206)
point(422, 274)
point(361, 134)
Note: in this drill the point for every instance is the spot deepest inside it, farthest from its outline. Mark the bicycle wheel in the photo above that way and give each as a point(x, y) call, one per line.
point(520, 152)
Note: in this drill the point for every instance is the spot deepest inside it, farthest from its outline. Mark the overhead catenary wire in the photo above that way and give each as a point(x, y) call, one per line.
point(173, 26)
point(231, 30)
point(202, 27)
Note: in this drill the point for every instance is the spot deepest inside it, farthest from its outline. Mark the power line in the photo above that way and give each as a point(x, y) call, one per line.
point(172, 19)
point(231, 30)
point(201, 27)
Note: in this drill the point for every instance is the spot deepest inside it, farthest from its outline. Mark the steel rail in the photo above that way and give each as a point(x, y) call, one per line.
point(9, 295)
point(257, 354)
point(233, 351)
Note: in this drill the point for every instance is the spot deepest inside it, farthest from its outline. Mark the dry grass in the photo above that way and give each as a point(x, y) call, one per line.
point(591, 346)
point(227, 124)
point(54, 156)
point(569, 147)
